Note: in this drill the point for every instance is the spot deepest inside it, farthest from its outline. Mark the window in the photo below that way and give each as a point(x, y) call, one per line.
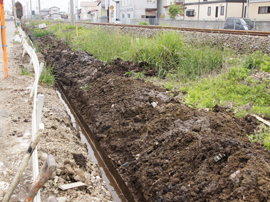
point(222, 10)
point(128, 15)
point(123, 15)
point(263, 10)
point(209, 11)
point(190, 13)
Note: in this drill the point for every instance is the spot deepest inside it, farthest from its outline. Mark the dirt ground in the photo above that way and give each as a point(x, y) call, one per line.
point(164, 150)
point(60, 139)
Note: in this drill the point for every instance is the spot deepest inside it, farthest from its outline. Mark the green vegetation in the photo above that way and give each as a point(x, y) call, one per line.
point(262, 136)
point(25, 72)
point(37, 22)
point(40, 32)
point(143, 23)
point(235, 86)
point(138, 75)
point(168, 53)
point(175, 10)
point(47, 77)
point(165, 52)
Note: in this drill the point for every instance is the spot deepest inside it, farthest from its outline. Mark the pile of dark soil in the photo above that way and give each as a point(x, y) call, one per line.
point(164, 150)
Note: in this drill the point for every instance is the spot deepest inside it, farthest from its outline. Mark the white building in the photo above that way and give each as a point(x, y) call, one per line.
point(88, 10)
point(213, 9)
point(137, 9)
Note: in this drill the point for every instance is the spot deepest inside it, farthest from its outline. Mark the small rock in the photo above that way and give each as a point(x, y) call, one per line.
point(261, 182)
point(61, 199)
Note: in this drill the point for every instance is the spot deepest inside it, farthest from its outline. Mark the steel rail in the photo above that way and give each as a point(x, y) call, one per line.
point(218, 31)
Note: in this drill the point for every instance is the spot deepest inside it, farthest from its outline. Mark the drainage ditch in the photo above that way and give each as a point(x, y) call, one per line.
point(113, 182)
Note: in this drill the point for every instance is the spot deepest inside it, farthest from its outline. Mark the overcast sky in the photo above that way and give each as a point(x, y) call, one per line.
point(62, 4)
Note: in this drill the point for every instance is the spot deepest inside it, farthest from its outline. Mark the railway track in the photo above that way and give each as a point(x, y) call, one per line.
point(220, 31)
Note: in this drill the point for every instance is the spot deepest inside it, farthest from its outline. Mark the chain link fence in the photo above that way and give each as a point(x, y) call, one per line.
point(215, 23)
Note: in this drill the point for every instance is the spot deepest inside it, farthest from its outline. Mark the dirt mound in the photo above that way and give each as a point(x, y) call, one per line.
point(164, 150)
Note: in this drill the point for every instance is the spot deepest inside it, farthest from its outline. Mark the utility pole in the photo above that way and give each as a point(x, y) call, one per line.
point(27, 10)
point(14, 10)
point(72, 12)
point(31, 9)
point(39, 9)
point(247, 10)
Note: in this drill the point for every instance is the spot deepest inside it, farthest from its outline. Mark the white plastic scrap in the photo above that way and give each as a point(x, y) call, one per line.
point(234, 177)
point(154, 104)
point(17, 39)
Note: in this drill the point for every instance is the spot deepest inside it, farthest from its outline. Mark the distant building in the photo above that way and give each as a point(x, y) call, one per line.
point(102, 13)
point(88, 10)
point(213, 9)
point(137, 9)
point(259, 9)
point(51, 13)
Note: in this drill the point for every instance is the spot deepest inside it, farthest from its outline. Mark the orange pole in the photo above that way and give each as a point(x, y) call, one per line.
point(4, 40)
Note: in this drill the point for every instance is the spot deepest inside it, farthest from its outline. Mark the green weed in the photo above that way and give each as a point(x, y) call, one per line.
point(40, 32)
point(234, 86)
point(262, 136)
point(138, 75)
point(25, 72)
point(143, 23)
point(47, 77)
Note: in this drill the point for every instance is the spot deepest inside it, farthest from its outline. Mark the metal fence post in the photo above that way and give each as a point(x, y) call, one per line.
point(191, 23)
point(218, 24)
point(234, 24)
point(254, 24)
point(204, 23)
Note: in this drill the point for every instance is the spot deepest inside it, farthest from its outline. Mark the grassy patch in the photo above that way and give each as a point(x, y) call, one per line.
point(167, 52)
point(25, 72)
point(40, 32)
point(262, 136)
point(143, 23)
point(138, 75)
point(47, 77)
point(236, 87)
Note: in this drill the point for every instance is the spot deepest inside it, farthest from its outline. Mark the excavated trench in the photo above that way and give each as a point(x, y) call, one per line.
point(160, 149)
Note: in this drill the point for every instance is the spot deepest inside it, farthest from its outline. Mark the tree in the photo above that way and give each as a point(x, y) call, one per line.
point(175, 10)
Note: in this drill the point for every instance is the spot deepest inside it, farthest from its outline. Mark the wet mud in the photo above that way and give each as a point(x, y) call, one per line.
point(163, 150)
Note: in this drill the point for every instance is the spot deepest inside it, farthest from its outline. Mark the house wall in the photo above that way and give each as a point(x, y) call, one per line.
point(254, 10)
point(140, 6)
point(54, 10)
point(85, 8)
point(235, 10)
point(231, 9)
point(134, 9)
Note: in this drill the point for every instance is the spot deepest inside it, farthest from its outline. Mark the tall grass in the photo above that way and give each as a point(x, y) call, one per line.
point(47, 77)
point(40, 32)
point(167, 52)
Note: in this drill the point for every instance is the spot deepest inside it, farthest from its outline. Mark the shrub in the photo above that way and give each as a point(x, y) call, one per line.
point(40, 32)
point(143, 23)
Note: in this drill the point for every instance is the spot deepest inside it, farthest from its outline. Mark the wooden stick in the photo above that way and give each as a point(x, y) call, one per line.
point(117, 36)
point(45, 174)
point(23, 165)
point(262, 120)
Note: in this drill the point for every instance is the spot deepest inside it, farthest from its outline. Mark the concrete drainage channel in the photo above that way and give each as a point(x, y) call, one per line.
point(114, 182)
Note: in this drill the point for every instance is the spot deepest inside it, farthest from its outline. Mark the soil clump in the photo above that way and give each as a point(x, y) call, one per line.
point(164, 150)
